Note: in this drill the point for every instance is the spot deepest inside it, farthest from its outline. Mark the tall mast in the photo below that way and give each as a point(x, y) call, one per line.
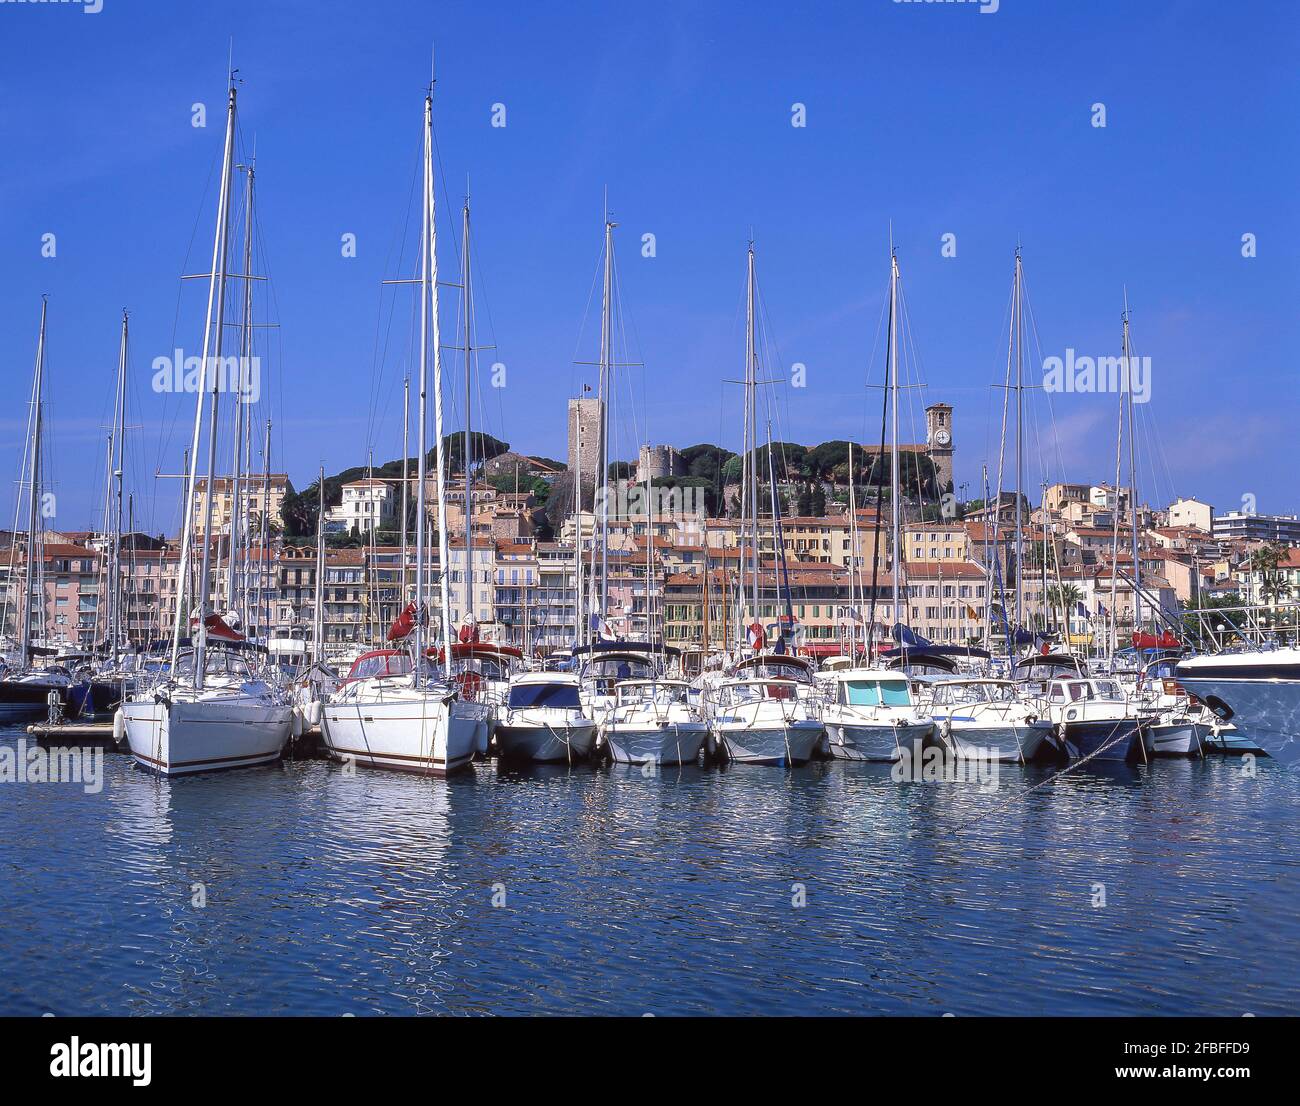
point(318, 615)
point(606, 395)
point(264, 531)
point(429, 337)
point(469, 353)
point(854, 606)
point(119, 465)
point(245, 352)
point(214, 324)
point(406, 452)
point(33, 497)
point(579, 604)
point(894, 468)
point(1016, 338)
point(751, 431)
point(1132, 476)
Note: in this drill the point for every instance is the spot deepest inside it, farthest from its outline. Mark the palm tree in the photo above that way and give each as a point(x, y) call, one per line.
point(1066, 596)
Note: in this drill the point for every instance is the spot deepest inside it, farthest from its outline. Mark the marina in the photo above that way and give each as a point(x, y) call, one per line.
point(621, 538)
point(670, 893)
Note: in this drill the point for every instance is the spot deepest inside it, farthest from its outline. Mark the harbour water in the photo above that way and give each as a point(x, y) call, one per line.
point(1162, 890)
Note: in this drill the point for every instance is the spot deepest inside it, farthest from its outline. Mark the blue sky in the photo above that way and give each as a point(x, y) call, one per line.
point(935, 118)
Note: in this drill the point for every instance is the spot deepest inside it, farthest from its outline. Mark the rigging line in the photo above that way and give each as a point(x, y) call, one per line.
point(167, 425)
point(1038, 347)
point(397, 243)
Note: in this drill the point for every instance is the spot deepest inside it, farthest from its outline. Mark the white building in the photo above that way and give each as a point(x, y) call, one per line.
point(367, 505)
point(1190, 511)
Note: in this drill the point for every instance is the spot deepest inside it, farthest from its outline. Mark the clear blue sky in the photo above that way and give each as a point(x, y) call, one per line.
point(937, 118)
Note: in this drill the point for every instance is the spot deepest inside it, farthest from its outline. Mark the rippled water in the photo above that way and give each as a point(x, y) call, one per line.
point(330, 894)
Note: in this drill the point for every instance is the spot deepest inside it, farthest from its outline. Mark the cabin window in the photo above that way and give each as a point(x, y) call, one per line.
point(563, 696)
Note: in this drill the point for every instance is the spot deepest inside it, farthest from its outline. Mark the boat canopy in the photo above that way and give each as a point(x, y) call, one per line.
point(627, 647)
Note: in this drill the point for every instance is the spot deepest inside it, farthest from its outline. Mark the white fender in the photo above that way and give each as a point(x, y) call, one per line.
point(119, 726)
point(297, 721)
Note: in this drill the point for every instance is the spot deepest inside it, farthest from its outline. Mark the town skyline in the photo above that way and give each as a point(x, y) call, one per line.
point(1092, 216)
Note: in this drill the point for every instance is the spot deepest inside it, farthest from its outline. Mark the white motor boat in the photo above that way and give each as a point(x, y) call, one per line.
point(608, 664)
point(544, 720)
point(1090, 719)
point(764, 721)
point(983, 719)
point(1258, 689)
point(766, 710)
point(228, 718)
point(384, 716)
point(872, 714)
point(654, 722)
point(1179, 726)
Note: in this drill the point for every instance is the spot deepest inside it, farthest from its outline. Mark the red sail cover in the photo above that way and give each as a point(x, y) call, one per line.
point(469, 633)
point(1150, 641)
point(403, 624)
point(216, 627)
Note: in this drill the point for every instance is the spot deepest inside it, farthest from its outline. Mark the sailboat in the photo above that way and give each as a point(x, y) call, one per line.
point(393, 710)
point(551, 716)
point(108, 685)
point(766, 708)
point(212, 709)
point(27, 691)
point(872, 714)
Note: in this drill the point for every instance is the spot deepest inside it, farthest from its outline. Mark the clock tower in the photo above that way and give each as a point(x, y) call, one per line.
point(938, 441)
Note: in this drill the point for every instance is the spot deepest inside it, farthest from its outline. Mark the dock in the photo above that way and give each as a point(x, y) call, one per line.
point(74, 733)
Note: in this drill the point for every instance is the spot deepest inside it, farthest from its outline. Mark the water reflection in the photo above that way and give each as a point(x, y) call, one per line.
point(523, 889)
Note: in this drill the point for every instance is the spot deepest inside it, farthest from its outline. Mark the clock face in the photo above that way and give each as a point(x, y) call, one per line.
point(942, 437)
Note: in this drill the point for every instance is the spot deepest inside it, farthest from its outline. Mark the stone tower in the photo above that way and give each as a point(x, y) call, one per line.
point(584, 427)
point(938, 441)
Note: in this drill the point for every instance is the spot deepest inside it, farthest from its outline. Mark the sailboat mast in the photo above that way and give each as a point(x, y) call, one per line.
point(1132, 476)
point(1020, 452)
point(751, 426)
point(469, 354)
point(245, 351)
point(119, 465)
point(854, 606)
point(431, 268)
point(318, 615)
point(422, 387)
point(894, 467)
point(214, 324)
point(33, 496)
point(606, 396)
point(406, 452)
point(579, 604)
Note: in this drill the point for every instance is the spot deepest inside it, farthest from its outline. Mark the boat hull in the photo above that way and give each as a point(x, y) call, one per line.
point(1007, 744)
point(426, 738)
point(25, 701)
point(781, 744)
point(183, 738)
point(546, 744)
point(881, 744)
point(1264, 701)
point(1111, 739)
point(1175, 739)
point(671, 743)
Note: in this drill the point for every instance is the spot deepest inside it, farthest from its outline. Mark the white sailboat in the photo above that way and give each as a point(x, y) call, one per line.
point(26, 690)
point(767, 708)
point(212, 710)
point(872, 714)
point(413, 720)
